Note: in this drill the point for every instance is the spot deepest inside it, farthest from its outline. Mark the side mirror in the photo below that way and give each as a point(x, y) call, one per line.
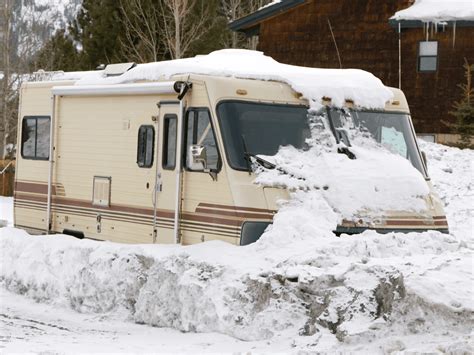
point(425, 159)
point(197, 158)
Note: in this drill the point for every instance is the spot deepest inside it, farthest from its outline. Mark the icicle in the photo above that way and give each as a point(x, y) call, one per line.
point(454, 34)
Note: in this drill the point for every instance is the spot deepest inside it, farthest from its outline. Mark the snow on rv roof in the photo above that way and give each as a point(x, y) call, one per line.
point(438, 11)
point(339, 84)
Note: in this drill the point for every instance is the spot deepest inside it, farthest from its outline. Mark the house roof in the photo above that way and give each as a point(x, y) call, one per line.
point(437, 11)
point(445, 12)
point(419, 23)
point(408, 18)
point(250, 23)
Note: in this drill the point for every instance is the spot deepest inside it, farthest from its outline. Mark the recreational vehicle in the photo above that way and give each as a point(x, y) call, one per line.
point(167, 161)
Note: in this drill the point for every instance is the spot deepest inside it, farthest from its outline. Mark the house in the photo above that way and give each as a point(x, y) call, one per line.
point(419, 46)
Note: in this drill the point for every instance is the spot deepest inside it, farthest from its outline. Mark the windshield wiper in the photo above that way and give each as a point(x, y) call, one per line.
point(246, 155)
point(266, 164)
point(341, 136)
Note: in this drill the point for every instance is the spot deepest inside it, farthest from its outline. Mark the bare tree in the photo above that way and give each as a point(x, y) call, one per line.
point(235, 9)
point(143, 27)
point(185, 22)
point(254, 5)
point(5, 30)
point(18, 44)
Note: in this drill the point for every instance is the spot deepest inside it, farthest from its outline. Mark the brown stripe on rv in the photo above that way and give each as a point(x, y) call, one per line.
point(43, 189)
point(220, 230)
point(408, 222)
point(233, 213)
point(33, 187)
point(148, 212)
point(235, 208)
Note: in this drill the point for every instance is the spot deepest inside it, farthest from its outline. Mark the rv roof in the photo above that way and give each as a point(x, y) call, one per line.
point(340, 84)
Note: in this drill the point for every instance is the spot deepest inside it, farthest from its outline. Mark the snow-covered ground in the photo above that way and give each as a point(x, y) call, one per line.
point(6, 211)
point(367, 293)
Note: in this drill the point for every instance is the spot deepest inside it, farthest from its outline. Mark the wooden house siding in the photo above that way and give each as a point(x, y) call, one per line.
point(301, 36)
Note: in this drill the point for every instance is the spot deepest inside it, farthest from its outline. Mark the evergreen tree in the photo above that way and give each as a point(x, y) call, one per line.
point(464, 109)
point(99, 30)
point(59, 53)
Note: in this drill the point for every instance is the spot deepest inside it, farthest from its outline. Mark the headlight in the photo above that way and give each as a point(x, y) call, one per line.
point(252, 231)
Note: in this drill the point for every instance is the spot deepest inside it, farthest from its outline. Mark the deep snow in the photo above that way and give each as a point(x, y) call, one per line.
point(313, 291)
point(6, 211)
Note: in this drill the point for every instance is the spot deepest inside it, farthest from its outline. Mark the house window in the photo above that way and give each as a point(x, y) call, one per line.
point(35, 137)
point(428, 56)
point(146, 139)
point(169, 142)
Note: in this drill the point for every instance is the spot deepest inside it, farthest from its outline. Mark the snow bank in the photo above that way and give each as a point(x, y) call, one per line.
point(6, 211)
point(438, 11)
point(340, 285)
point(339, 84)
point(452, 171)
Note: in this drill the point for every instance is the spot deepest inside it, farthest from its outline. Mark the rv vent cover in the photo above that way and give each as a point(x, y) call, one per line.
point(101, 191)
point(118, 69)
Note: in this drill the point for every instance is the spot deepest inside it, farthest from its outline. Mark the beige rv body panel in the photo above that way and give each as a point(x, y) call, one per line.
point(95, 149)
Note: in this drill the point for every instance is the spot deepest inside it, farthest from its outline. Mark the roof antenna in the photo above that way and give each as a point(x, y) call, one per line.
point(335, 44)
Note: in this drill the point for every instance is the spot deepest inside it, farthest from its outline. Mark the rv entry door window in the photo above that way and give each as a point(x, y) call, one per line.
point(169, 141)
point(146, 139)
point(199, 132)
point(35, 137)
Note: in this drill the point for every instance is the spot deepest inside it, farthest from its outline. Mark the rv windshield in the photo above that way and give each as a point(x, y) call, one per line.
point(263, 127)
point(390, 129)
point(259, 128)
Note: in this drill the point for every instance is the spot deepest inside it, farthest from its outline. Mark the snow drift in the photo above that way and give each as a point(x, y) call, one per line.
point(340, 285)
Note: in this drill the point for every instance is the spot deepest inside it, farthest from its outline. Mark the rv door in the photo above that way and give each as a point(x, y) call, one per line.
point(166, 194)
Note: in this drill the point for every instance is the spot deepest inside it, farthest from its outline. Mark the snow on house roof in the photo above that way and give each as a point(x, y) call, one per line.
point(438, 11)
point(274, 2)
point(340, 85)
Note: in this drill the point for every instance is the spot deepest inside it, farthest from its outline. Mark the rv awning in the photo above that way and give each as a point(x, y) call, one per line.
point(118, 89)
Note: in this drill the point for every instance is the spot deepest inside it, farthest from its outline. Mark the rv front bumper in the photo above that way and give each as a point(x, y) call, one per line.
point(356, 230)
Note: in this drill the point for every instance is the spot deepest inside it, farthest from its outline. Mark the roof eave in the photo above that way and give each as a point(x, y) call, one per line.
point(420, 23)
point(250, 23)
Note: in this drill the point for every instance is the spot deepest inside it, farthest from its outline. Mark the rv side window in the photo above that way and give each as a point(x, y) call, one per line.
point(199, 131)
point(169, 142)
point(35, 137)
point(146, 139)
